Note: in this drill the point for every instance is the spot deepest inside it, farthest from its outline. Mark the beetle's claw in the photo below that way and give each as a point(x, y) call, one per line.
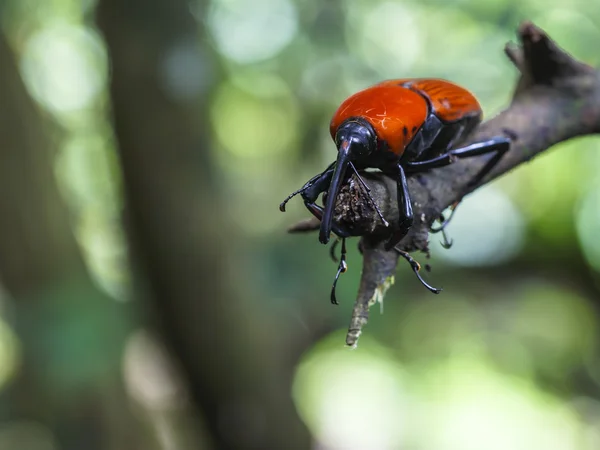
point(416, 267)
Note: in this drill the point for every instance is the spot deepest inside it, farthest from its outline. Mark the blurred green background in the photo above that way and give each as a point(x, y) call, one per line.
point(205, 325)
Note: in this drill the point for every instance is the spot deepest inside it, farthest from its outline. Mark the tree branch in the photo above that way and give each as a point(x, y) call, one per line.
point(556, 98)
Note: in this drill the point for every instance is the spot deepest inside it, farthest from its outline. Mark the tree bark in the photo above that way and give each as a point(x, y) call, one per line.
point(239, 374)
point(53, 295)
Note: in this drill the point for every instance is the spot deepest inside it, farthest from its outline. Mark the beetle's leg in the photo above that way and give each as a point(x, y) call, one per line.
point(404, 209)
point(416, 267)
point(443, 220)
point(317, 211)
point(310, 183)
point(446, 243)
point(332, 248)
point(498, 145)
point(316, 185)
point(311, 192)
point(341, 269)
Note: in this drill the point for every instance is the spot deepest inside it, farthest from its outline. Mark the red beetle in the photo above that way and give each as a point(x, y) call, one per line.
point(399, 126)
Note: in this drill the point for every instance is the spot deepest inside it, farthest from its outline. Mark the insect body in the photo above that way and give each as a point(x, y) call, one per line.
point(398, 126)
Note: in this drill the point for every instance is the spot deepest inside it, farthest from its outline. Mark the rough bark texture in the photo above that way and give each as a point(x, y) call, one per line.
point(557, 98)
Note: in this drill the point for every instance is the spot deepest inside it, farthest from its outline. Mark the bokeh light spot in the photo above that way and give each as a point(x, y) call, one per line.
point(248, 32)
point(546, 192)
point(435, 328)
point(472, 407)
point(9, 353)
point(88, 177)
point(557, 327)
point(487, 230)
point(254, 126)
point(387, 36)
point(64, 67)
point(186, 70)
point(84, 167)
point(588, 224)
point(352, 398)
point(150, 376)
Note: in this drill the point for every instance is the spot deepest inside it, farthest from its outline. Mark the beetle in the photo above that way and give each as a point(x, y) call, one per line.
point(399, 126)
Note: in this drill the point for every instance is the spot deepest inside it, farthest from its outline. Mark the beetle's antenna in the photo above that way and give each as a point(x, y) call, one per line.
point(289, 197)
point(362, 182)
point(341, 269)
point(416, 267)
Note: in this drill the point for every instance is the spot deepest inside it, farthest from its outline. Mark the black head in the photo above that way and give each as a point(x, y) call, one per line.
point(358, 136)
point(355, 139)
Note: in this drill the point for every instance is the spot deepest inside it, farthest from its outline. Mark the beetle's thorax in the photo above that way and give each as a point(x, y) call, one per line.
point(394, 112)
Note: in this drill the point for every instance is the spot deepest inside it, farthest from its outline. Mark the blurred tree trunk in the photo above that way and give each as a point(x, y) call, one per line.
point(69, 378)
point(238, 359)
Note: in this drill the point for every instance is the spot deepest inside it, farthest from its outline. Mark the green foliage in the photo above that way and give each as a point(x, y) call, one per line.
point(490, 363)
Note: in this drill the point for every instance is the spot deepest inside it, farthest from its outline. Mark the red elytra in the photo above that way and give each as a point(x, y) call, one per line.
point(398, 108)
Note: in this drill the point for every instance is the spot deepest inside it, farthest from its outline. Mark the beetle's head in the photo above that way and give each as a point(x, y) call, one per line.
point(355, 139)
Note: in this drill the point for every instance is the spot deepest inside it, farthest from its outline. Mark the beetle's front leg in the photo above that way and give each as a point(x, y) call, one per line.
point(311, 192)
point(317, 182)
